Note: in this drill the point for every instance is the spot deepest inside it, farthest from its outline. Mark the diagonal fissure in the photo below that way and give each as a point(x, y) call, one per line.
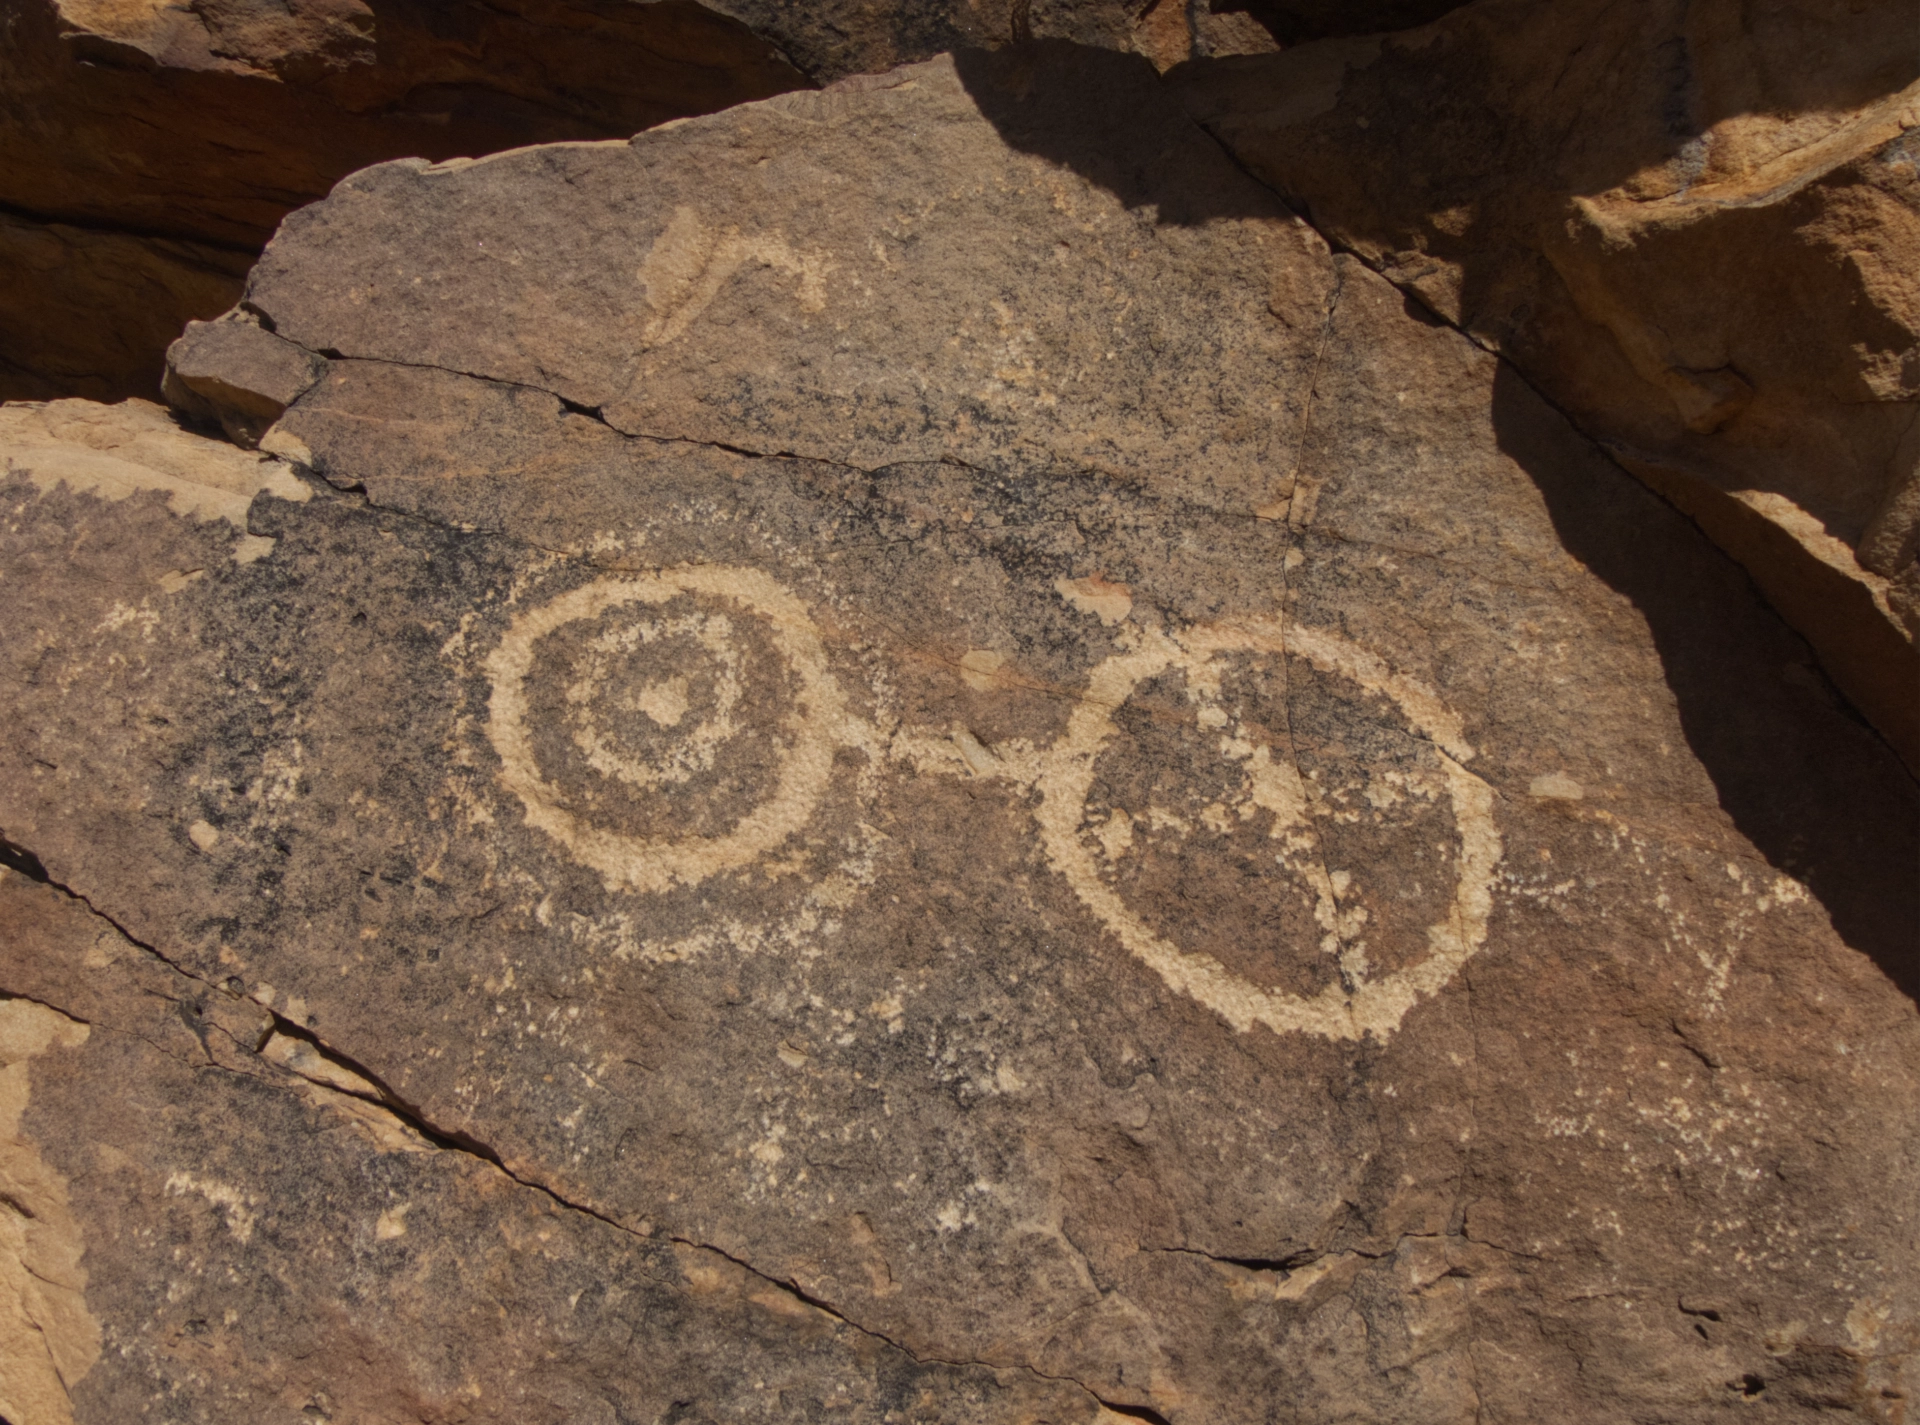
point(19, 858)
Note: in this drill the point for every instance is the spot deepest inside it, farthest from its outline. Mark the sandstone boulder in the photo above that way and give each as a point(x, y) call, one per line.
point(916, 689)
point(1694, 226)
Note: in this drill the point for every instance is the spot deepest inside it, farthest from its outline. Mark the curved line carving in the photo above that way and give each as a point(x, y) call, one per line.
point(1063, 774)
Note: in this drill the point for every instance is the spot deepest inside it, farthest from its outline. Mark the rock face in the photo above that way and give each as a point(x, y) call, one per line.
point(909, 760)
point(1698, 239)
point(289, 1249)
point(148, 149)
point(833, 39)
point(89, 312)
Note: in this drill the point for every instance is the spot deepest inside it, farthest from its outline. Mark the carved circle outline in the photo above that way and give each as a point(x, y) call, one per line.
point(1374, 1007)
point(657, 863)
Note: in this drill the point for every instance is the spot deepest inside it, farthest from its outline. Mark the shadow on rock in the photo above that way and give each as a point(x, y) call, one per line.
point(1816, 790)
point(1812, 786)
point(1106, 117)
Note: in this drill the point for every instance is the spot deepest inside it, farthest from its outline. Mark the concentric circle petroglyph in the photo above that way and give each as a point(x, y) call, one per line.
point(717, 603)
point(1349, 1009)
point(720, 595)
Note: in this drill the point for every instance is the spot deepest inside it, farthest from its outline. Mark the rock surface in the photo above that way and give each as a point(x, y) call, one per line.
point(833, 39)
point(236, 375)
point(85, 312)
point(1696, 238)
point(148, 149)
point(287, 1248)
point(915, 687)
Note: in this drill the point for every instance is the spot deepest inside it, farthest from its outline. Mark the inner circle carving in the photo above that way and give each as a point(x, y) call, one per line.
point(694, 723)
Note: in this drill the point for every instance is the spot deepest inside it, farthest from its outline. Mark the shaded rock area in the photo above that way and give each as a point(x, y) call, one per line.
point(1694, 226)
point(89, 311)
point(898, 755)
point(832, 39)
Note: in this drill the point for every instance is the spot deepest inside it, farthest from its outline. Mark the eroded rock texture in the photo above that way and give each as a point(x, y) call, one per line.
point(287, 1248)
point(832, 39)
point(897, 756)
point(1694, 226)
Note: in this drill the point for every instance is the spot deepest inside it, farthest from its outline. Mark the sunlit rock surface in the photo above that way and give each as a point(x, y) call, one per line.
point(895, 755)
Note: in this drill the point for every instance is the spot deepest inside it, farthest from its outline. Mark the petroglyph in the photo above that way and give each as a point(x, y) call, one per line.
point(621, 685)
point(1085, 847)
point(1355, 1005)
point(663, 701)
point(688, 264)
point(688, 737)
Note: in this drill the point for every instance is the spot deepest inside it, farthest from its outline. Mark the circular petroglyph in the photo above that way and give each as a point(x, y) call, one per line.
point(666, 727)
point(1207, 774)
